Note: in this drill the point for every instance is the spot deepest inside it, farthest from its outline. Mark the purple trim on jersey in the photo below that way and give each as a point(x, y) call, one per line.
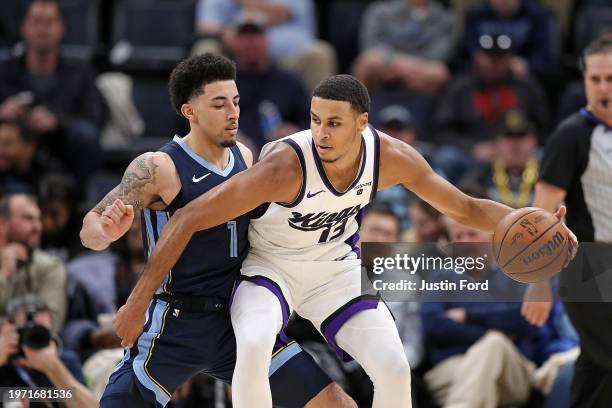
point(376, 166)
point(323, 176)
point(300, 155)
point(590, 116)
point(336, 320)
point(282, 339)
point(354, 239)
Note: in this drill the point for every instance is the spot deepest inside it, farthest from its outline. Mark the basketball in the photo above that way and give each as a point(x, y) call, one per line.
point(530, 244)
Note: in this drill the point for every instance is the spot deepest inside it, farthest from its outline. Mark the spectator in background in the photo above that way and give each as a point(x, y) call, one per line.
point(476, 102)
point(21, 163)
point(273, 102)
point(56, 98)
point(426, 223)
point(50, 366)
point(530, 27)
point(398, 122)
point(60, 218)
point(511, 176)
point(406, 42)
point(379, 224)
point(24, 268)
point(480, 351)
point(291, 30)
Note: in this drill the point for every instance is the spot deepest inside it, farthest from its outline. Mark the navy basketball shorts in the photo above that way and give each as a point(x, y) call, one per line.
point(175, 345)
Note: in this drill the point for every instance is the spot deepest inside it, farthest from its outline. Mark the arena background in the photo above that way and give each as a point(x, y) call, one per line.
point(476, 86)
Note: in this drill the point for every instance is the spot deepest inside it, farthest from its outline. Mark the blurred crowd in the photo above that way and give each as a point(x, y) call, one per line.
point(475, 85)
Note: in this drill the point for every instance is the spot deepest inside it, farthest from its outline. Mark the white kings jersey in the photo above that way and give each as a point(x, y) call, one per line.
point(323, 223)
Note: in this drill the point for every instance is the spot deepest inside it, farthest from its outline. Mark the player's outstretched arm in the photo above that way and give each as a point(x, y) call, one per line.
point(146, 180)
point(402, 164)
point(276, 178)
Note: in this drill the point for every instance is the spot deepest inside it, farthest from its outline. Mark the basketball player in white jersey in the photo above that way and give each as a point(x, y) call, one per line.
point(303, 254)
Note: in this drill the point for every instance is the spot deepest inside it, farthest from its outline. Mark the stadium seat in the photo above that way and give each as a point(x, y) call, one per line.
point(591, 22)
point(343, 22)
point(151, 34)
point(82, 28)
point(153, 103)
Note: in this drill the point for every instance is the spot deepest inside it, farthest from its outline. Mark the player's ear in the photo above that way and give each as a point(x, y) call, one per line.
point(187, 111)
point(362, 121)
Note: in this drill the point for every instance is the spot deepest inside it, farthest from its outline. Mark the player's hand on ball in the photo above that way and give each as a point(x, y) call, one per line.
point(128, 324)
point(572, 240)
point(537, 303)
point(117, 219)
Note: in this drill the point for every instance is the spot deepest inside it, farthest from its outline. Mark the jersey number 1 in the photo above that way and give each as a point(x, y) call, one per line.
point(231, 225)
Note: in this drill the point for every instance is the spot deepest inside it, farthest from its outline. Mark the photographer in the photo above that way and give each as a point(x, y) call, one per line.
point(31, 357)
point(24, 268)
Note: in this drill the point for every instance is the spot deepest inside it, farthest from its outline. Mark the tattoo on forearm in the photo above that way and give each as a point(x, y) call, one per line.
point(139, 174)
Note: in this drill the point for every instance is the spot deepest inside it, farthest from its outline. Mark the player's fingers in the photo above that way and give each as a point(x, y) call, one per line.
point(111, 214)
point(129, 210)
point(561, 212)
point(120, 205)
point(106, 220)
point(118, 211)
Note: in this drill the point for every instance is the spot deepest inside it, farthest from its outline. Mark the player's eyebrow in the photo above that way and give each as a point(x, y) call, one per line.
point(335, 117)
point(222, 98)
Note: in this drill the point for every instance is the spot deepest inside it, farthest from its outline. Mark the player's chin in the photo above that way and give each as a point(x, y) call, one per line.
point(228, 142)
point(229, 136)
point(328, 156)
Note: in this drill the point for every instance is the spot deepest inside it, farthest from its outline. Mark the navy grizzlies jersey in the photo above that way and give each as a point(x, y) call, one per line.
point(211, 261)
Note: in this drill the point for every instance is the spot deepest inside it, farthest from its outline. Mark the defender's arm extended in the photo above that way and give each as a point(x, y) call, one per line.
point(276, 178)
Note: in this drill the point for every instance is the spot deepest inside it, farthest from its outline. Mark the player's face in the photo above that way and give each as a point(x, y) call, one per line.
point(216, 112)
point(598, 84)
point(335, 128)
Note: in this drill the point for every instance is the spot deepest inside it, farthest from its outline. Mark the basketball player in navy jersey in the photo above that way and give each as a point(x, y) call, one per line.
point(303, 256)
point(186, 327)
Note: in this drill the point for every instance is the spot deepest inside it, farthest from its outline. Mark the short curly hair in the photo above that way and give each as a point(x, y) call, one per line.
point(190, 76)
point(345, 88)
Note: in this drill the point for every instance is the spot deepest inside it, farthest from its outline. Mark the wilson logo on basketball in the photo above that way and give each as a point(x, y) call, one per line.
point(545, 249)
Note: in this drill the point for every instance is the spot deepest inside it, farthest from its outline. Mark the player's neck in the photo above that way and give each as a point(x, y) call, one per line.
point(208, 150)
